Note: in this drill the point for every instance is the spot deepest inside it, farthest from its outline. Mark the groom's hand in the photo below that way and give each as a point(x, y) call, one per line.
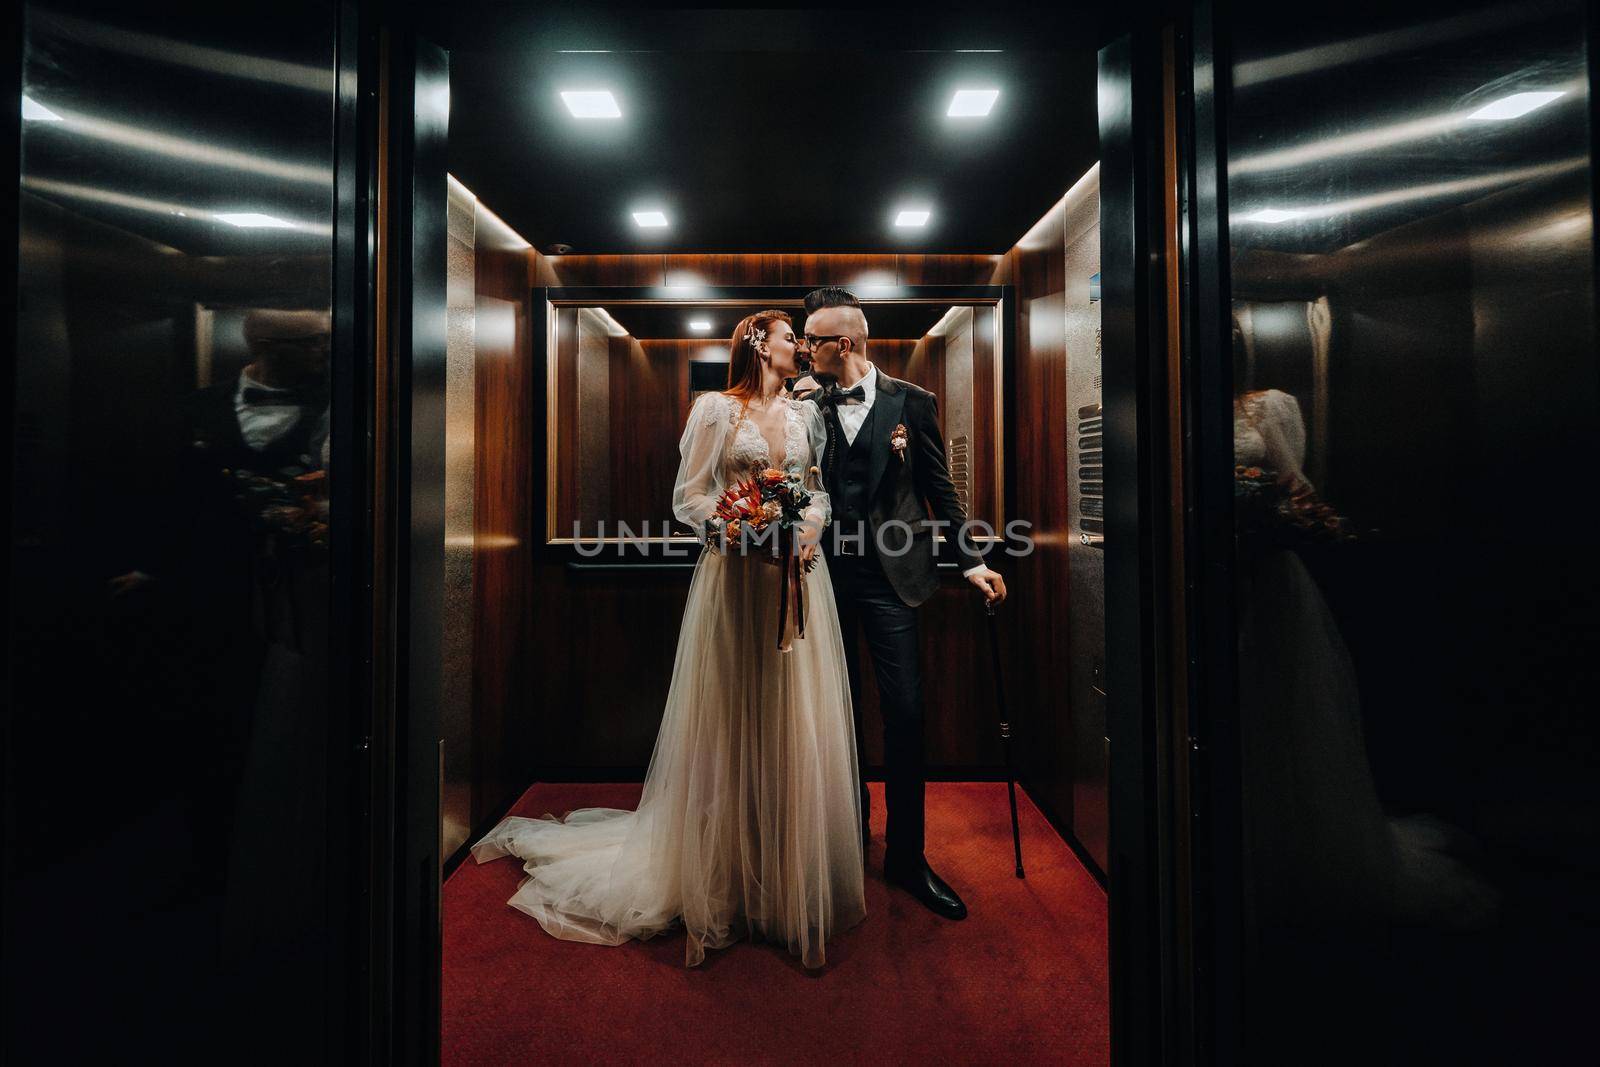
point(993, 586)
point(804, 385)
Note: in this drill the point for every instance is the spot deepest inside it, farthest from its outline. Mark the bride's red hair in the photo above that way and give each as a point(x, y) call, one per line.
point(744, 369)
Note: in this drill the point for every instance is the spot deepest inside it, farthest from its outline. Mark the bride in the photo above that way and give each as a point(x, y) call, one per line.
point(749, 824)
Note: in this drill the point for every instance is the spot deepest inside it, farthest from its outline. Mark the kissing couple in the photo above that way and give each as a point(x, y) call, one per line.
point(753, 821)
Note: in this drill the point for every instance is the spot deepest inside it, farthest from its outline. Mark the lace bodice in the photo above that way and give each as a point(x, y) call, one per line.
point(750, 450)
point(719, 448)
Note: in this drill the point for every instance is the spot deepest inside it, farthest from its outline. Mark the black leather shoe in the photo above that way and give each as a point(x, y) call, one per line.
point(918, 879)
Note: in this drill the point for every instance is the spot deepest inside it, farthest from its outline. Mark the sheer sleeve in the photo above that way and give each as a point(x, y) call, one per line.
point(1283, 433)
point(821, 510)
point(699, 483)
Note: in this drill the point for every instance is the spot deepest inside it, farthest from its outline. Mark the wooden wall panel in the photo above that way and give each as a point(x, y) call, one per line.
point(566, 335)
point(947, 270)
point(893, 356)
point(770, 269)
point(649, 404)
point(987, 493)
point(840, 270)
point(504, 513)
point(606, 270)
point(722, 270)
point(1040, 585)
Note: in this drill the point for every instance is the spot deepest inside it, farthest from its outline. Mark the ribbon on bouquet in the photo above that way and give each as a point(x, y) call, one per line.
point(790, 573)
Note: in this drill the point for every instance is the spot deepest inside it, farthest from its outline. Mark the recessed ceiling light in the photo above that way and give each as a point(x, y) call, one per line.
point(1273, 215)
point(972, 103)
point(912, 217)
point(699, 325)
point(599, 104)
point(1514, 106)
point(250, 220)
point(33, 111)
point(650, 219)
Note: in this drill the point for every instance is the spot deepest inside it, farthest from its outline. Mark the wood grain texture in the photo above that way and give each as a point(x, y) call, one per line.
point(607, 270)
point(768, 269)
point(503, 527)
point(649, 404)
point(989, 466)
point(1040, 587)
point(722, 270)
point(947, 270)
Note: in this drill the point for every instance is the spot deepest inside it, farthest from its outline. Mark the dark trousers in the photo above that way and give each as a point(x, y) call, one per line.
point(867, 602)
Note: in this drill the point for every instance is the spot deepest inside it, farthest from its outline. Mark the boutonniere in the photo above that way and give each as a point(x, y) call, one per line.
point(899, 437)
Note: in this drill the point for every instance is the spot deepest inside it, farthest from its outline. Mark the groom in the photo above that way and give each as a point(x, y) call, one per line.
point(885, 469)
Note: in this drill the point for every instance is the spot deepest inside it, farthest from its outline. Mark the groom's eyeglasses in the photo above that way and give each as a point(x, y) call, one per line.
point(815, 340)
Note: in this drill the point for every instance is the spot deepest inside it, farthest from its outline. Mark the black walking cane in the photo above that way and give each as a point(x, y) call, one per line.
point(1005, 732)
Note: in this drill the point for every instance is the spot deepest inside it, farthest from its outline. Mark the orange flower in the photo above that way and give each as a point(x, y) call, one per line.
point(772, 476)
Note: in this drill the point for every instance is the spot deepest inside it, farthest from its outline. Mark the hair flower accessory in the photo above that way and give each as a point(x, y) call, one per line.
point(756, 336)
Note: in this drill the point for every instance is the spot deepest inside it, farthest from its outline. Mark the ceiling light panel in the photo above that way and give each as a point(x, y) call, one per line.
point(972, 103)
point(591, 104)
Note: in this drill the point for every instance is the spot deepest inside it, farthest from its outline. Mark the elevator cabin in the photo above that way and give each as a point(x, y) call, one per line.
point(609, 224)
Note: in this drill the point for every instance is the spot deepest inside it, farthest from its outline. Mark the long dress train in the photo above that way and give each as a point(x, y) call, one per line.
point(749, 823)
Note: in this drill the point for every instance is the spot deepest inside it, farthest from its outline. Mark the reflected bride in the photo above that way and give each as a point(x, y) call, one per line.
point(749, 823)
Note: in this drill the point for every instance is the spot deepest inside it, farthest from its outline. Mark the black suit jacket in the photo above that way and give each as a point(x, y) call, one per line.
point(908, 491)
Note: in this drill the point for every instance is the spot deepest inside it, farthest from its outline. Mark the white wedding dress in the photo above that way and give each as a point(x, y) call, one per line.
point(750, 821)
point(1319, 846)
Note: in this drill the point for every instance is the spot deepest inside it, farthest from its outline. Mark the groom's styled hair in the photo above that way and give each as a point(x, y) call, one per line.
point(832, 296)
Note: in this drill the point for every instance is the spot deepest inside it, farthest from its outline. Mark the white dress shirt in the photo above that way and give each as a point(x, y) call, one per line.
point(261, 422)
point(853, 415)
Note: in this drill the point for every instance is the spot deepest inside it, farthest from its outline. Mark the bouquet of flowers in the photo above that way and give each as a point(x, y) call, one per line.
point(768, 510)
point(1274, 512)
point(290, 505)
point(764, 511)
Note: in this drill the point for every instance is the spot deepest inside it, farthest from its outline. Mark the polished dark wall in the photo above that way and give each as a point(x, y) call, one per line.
point(1412, 265)
point(172, 844)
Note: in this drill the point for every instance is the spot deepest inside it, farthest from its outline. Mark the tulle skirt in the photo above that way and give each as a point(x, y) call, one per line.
point(1319, 847)
point(749, 824)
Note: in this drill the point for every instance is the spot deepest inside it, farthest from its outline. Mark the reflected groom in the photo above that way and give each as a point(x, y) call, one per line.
point(885, 469)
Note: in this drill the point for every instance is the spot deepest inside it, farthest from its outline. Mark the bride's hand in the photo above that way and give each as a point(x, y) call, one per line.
point(810, 535)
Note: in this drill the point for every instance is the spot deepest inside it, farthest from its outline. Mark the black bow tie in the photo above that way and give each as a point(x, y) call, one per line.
point(299, 398)
point(839, 396)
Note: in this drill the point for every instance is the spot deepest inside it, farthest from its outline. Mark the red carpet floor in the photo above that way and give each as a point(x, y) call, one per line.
point(1022, 979)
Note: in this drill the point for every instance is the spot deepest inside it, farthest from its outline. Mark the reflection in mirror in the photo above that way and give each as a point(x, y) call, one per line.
point(173, 845)
point(1415, 399)
point(625, 374)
